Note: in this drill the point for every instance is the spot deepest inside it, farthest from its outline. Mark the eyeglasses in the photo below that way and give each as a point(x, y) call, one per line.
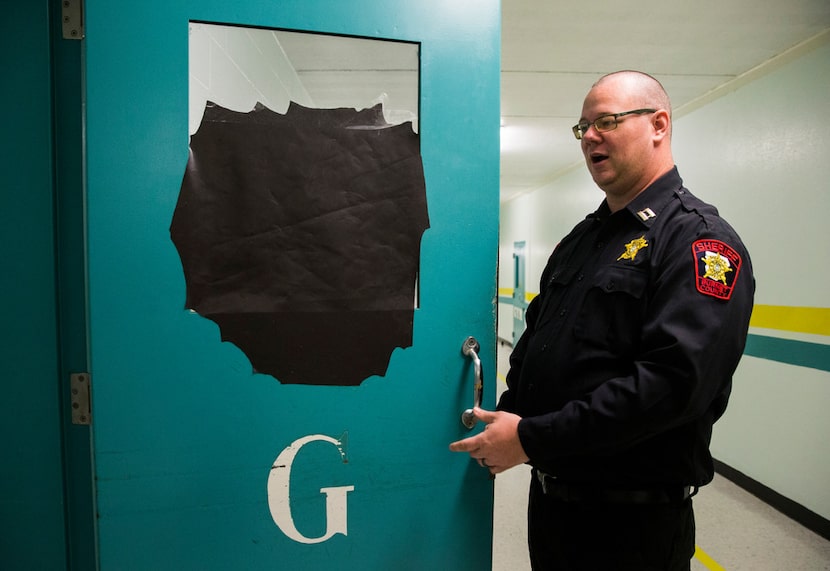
point(606, 122)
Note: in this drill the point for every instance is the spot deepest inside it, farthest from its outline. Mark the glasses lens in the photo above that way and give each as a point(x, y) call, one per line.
point(606, 123)
point(580, 129)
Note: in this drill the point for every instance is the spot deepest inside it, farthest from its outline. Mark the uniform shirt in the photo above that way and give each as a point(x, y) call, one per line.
point(630, 347)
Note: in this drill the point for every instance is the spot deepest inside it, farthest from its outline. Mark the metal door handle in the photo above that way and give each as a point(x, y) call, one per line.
point(470, 349)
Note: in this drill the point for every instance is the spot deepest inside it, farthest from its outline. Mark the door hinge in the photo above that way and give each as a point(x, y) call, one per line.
point(79, 385)
point(72, 16)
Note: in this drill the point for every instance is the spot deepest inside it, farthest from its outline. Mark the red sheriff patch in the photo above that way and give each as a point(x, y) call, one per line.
point(717, 266)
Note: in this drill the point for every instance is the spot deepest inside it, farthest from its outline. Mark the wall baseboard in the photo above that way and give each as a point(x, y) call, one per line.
point(795, 511)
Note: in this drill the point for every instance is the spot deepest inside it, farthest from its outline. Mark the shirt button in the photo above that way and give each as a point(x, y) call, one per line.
point(580, 277)
point(563, 312)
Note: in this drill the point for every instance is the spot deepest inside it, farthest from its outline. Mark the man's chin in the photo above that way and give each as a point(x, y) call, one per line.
point(603, 178)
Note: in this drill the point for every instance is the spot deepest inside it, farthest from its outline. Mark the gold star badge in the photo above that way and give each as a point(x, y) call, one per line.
point(717, 266)
point(633, 247)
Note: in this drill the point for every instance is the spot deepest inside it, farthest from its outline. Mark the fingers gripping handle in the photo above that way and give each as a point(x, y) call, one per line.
point(470, 349)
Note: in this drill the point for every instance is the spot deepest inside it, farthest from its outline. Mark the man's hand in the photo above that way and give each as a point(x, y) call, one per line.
point(497, 448)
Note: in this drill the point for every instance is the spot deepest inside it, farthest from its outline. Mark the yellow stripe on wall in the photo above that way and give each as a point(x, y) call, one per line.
point(814, 320)
point(508, 292)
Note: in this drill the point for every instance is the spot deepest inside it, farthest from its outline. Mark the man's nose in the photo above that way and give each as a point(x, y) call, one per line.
point(592, 132)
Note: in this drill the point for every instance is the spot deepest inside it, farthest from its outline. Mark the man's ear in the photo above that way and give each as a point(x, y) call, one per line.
point(662, 124)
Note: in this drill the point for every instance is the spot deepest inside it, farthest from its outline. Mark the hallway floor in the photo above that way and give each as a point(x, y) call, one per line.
point(735, 530)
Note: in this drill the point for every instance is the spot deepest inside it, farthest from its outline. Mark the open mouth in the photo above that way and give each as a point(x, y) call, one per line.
point(597, 158)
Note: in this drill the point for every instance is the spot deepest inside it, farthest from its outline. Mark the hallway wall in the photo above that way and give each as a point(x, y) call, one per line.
point(32, 501)
point(760, 151)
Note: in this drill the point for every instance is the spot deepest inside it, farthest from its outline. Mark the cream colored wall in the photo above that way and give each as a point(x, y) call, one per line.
point(761, 153)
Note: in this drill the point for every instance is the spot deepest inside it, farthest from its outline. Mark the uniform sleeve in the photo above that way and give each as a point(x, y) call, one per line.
point(693, 335)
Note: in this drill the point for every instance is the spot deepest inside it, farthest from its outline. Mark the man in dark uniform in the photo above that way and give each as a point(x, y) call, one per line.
point(628, 355)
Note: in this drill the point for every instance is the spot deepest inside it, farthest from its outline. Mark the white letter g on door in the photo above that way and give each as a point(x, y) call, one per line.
point(279, 494)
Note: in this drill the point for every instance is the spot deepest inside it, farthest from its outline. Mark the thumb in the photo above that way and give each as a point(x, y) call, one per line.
point(485, 416)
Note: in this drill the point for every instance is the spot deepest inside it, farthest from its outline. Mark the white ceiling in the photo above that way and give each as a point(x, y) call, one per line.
point(553, 50)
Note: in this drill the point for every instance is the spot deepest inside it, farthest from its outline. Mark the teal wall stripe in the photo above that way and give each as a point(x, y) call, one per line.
point(801, 353)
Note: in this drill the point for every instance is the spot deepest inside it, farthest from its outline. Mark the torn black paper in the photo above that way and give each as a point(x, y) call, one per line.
point(299, 235)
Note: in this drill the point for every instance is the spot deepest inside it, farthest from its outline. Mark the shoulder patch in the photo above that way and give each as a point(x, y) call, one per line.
point(717, 266)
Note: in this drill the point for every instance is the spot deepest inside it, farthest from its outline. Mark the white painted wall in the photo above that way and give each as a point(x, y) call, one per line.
point(764, 151)
point(761, 153)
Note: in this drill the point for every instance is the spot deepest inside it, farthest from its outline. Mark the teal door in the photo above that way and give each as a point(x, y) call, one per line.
point(244, 429)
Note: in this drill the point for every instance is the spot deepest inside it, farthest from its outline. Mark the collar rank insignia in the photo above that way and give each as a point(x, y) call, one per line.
point(633, 247)
point(646, 214)
point(717, 266)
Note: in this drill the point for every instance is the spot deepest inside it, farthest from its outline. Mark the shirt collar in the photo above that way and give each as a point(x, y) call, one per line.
point(647, 206)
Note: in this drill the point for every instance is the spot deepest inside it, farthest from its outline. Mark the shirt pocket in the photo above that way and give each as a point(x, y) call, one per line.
point(612, 314)
point(558, 280)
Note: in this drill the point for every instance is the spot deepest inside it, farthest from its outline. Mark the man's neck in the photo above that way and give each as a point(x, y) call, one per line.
point(617, 202)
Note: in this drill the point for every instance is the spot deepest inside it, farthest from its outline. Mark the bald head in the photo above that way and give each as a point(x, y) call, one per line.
point(645, 87)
